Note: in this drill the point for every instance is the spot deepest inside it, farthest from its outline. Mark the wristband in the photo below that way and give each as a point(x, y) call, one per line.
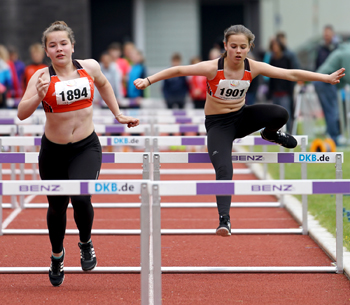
point(119, 114)
point(149, 81)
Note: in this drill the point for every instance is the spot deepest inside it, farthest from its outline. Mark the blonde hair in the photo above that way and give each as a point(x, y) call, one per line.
point(58, 26)
point(4, 54)
point(239, 29)
point(36, 47)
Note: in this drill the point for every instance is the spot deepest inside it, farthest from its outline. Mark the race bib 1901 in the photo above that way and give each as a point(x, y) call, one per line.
point(232, 89)
point(70, 91)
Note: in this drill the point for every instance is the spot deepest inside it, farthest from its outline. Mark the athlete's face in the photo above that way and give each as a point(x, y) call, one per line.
point(58, 47)
point(237, 47)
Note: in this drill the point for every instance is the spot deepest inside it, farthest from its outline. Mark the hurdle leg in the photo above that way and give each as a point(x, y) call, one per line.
point(156, 233)
point(1, 195)
point(13, 172)
point(21, 166)
point(339, 219)
point(304, 199)
point(282, 176)
point(145, 243)
point(145, 167)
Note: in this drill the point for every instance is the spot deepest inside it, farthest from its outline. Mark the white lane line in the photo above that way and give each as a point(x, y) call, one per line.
point(14, 214)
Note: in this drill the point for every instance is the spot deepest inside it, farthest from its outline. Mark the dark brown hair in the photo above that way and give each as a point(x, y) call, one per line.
point(239, 29)
point(58, 26)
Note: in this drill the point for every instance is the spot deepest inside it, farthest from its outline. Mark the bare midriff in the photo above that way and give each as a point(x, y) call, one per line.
point(69, 127)
point(217, 106)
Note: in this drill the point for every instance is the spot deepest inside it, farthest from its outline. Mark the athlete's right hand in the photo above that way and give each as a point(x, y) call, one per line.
point(42, 86)
point(141, 83)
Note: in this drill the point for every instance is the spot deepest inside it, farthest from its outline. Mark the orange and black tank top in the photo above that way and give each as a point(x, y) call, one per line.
point(229, 89)
point(69, 95)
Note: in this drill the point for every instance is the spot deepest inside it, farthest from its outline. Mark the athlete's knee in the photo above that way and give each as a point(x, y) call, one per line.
point(224, 173)
point(281, 115)
point(81, 200)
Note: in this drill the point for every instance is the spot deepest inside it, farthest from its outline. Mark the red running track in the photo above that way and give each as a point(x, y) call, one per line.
point(178, 250)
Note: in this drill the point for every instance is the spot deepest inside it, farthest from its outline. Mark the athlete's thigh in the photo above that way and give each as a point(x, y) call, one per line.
point(256, 117)
point(220, 145)
point(52, 166)
point(86, 165)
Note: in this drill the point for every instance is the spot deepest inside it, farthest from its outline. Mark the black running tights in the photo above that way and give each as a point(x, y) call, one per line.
point(80, 160)
point(223, 129)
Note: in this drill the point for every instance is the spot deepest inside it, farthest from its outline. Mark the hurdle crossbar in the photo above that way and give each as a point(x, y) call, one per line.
point(247, 187)
point(249, 158)
point(89, 187)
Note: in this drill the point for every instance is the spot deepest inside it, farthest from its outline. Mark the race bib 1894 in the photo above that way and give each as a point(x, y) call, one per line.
point(70, 91)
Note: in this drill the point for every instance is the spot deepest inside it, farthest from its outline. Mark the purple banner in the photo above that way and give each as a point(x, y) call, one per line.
point(0, 188)
point(37, 141)
point(337, 187)
point(107, 158)
point(116, 128)
point(285, 158)
point(12, 158)
point(215, 188)
point(261, 141)
point(7, 121)
point(192, 141)
point(183, 120)
point(188, 128)
point(179, 112)
point(198, 158)
point(84, 188)
point(109, 141)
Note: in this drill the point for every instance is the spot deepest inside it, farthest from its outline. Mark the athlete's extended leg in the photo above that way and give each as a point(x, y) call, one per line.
point(272, 117)
point(86, 164)
point(220, 133)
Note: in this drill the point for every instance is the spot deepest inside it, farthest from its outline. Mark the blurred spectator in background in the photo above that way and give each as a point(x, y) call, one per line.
point(329, 44)
point(281, 36)
point(327, 93)
point(37, 55)
point(175, 89)
point(5, 76)
point(113, 75)
point(137, 70)
point(17, 70)
point(115, 50)
point(197, 87)
point(128, 49)
point(214, 53)
point(280, 90)
point(338, 58)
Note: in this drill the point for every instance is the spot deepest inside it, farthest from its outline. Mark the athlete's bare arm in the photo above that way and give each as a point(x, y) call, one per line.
point(294, 75)
point(106, 91)
point(34, 94)
point(204, 68)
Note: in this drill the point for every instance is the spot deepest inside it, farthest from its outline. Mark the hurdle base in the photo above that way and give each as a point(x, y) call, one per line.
point(100, 270)
point(163, 231)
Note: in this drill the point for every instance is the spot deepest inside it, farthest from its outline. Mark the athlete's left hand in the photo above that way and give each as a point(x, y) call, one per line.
point(335, 77)
point(130, 121)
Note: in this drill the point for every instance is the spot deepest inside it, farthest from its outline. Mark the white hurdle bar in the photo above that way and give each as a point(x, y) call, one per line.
point(271, 187)
point(281, 158)
point(89, 187)
point(142, 158)
point(151, 143)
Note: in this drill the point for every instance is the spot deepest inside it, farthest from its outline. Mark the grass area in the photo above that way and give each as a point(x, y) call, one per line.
point(322, 207)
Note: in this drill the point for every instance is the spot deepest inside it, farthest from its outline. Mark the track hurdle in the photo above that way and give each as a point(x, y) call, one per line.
point(9, 130)
point(271, 187)
point(111, 157)
point(281, 158)
point(90, 187)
